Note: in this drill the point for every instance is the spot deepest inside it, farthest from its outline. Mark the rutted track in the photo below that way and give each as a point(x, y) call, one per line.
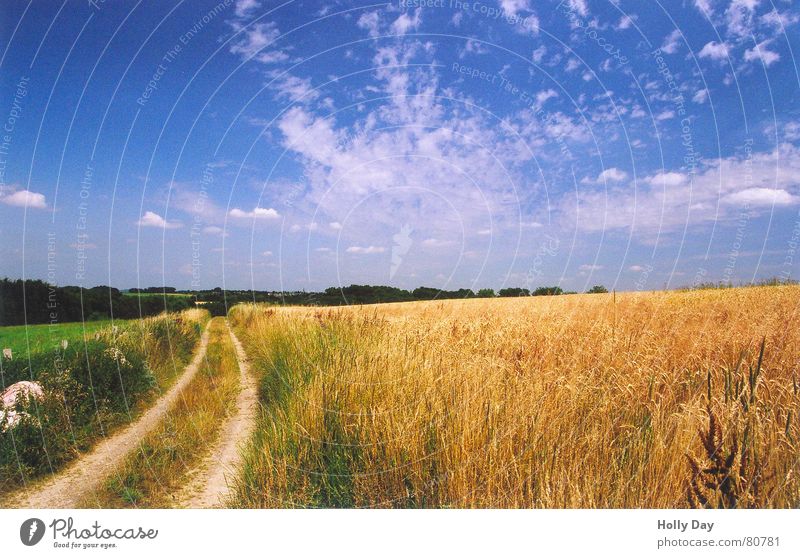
point(79, 480)
point(210, 486)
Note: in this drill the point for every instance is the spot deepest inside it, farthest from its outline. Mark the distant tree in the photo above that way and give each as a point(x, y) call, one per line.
point(775, 282)
point(153, 290)
point(597, 289)
point(486, 293)
point(548, 291)
point(514, 291)
point(37, 302)
point(426, 293)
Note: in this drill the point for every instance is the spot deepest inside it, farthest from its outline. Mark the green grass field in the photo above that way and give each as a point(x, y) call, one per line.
point(43, 337)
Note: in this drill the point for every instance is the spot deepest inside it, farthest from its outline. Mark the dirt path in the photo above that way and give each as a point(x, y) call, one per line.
point(79, 480)
point(210, 485)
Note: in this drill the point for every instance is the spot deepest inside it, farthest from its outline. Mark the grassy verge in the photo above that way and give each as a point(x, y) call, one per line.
point(91, 387)
point(579, 402)
point(165, 458)
point(292, 356)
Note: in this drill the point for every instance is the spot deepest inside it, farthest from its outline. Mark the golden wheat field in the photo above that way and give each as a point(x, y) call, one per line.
point(584, 401)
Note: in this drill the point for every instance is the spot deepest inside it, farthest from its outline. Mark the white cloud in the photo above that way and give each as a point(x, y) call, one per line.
point(294, 88)
point(254, 41)
point(538, 54)
point(700, 97)
point(704, 6)
point(335, 225)
point(543, 96)
point(665, 115)
point(475, 47)
point(780, 20)
point(739, 17)
point(666, 179)
point(762, 197)
point(371, 22)
point(398, 161)
point(590, 267)
point(256, 213)
point(761, 52)
point(245, 7)
point(406, 23)
point(313, 137)
point(436, 243)
point(513, 7)
point(365, 250)
point(612, 174)
point(636, 268)
point(151, 219)
point(791, 131)
point(579, 6)
point(625, 22)
point(673, 200)
point(214, 230)
point(672, 42)
point(572, 65)
point(714, 51)
point(25, 198)
point(529, 23)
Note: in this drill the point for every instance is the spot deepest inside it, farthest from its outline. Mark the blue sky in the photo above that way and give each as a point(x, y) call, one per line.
point(301, 145)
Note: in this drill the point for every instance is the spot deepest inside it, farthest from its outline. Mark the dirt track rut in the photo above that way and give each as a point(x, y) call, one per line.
point(210, 486)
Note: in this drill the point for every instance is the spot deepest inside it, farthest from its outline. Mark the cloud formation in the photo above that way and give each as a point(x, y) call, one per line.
point(365, 250)
point(266, 213)
point(24, 198)
point(154, 220)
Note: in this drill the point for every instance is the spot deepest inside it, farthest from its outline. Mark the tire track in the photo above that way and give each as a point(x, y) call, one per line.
point(211, 485)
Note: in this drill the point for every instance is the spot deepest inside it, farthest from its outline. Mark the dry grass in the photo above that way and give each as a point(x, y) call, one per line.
point(571, 401)
point(168, 340)
point(165, 458)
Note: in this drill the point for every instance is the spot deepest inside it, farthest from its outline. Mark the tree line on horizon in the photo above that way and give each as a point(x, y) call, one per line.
point(33, 301)
point(36, 302)
point(217, 300)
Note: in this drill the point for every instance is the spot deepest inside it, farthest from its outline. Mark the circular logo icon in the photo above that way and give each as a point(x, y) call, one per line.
point(32, 531)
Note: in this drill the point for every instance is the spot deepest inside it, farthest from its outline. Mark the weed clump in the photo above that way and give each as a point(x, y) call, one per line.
point(732, 473)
